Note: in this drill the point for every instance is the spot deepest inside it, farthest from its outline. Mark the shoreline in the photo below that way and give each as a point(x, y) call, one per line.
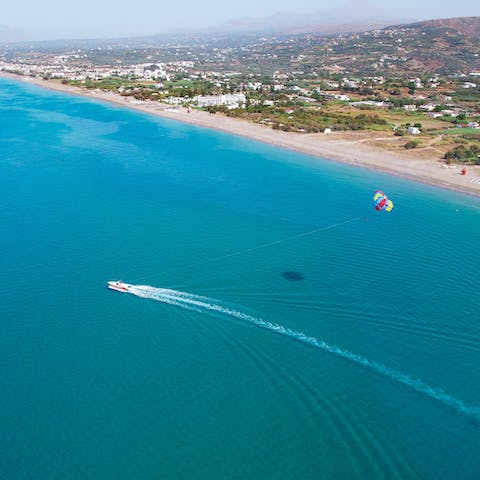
point(341, 147)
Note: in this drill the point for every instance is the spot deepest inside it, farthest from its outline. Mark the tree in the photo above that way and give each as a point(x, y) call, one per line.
point(411, 144)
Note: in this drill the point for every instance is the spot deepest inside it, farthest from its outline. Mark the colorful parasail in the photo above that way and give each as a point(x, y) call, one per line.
point(382, 202)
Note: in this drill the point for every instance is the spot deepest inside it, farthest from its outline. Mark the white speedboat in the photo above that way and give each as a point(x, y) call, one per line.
point(119, 286)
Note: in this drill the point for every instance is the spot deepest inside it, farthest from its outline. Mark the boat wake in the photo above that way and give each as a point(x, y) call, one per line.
point(204, 304)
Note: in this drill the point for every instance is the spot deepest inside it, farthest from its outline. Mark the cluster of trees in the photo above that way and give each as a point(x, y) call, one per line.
point(143, 91)
point(305, 119)
point(465, 153)
point(190, 89)
point(112, 83)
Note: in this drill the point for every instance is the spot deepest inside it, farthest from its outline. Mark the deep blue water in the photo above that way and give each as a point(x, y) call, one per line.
point(97, 384)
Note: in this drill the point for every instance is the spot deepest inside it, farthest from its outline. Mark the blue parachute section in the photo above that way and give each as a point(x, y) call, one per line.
point(381, 201)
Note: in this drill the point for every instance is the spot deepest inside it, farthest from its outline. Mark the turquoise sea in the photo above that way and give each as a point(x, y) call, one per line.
point(364, 363)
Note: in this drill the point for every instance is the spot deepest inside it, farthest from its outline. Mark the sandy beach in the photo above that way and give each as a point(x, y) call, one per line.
point(345, 147)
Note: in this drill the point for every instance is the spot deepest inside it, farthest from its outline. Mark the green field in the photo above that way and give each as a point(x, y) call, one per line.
point(474, 132)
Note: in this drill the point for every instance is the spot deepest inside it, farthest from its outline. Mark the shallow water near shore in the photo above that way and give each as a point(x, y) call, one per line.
point(192, 384)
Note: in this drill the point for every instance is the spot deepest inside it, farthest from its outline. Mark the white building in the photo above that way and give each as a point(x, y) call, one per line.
point(339, 96)
point(216, 100)
point(371, 103)
point(254, 85)
point(429, 107)
point(177, 100)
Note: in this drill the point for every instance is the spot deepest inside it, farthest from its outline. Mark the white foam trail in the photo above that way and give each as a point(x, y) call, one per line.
point(202, 304)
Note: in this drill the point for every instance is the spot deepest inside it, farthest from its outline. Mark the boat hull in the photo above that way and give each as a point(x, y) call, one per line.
point(119, 286)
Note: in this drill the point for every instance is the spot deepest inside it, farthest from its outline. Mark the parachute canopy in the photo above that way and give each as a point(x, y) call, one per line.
point(382, 202)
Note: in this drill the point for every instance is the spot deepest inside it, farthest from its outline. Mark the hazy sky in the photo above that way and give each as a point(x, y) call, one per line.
point(106, 18)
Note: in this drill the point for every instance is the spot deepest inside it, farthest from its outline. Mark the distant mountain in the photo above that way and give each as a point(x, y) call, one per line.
point(354, 16)
point(458, 26)
point(443, 46)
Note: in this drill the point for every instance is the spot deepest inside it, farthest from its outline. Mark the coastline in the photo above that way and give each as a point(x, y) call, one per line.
point(344, 147)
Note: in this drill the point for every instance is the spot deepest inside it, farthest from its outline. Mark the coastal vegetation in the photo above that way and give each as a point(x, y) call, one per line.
point(464, 153)
point(305, 119)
